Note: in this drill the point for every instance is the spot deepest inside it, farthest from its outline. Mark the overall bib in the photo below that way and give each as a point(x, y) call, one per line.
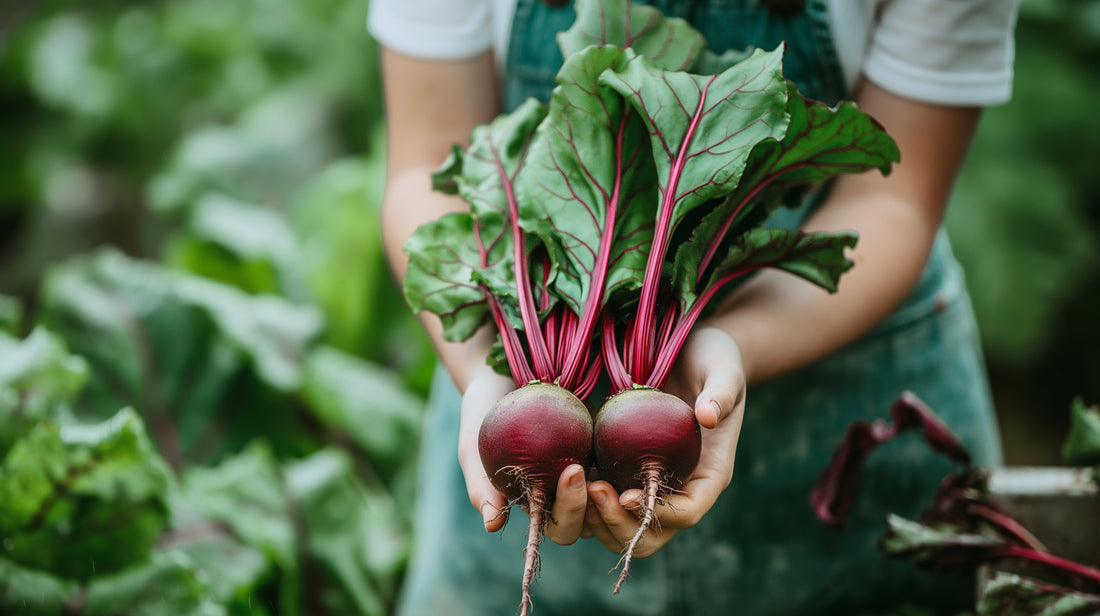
point(759, 551)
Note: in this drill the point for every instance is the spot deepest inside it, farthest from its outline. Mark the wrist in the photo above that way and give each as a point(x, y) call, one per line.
point(738, 337)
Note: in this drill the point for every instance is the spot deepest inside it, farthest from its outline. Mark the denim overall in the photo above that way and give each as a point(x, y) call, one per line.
point(760, 550)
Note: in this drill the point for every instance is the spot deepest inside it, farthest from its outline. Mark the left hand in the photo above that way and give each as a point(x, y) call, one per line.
point(710, 376)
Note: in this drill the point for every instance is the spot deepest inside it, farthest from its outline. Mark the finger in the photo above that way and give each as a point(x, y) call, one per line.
point(486, 499)
point(722, 393)
point(567, 514)
point(601, 495)
point(684, 508)
point(619, 517)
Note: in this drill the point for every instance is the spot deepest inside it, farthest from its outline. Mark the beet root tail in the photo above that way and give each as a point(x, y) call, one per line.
point(536, 502)
point(649, 515)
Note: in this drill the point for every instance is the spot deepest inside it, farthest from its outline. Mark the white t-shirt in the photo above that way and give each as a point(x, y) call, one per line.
point(952, 52)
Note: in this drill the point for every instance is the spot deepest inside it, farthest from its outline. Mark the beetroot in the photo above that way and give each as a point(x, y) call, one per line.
point(647, 439)
point(526, 441)
point(639, 430)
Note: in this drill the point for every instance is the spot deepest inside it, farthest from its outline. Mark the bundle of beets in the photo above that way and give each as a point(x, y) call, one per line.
point(601, 226)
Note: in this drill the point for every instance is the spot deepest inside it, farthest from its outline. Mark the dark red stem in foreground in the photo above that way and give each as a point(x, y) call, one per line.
point(1008, 526)
point(1063, 565)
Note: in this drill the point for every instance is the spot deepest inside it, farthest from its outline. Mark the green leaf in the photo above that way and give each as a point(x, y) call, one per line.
point(40, 365)
point(930, 546)
point(445, 254)
point(232, 571)
point(588, 189)
point(703, 128)
point(235, 522)
point(821, 143)
point(244, 492)
point(241, 244)
point(28, 592)
point(365, 402)
point(1082, 445)
point(336, 221)
point(816, 257)
point(165, 340)
point(355, 534)
point(170, 585)
point(38, 380)
point(668, 42)
point(1008, 594)
point(11, 315)
point(80, 500)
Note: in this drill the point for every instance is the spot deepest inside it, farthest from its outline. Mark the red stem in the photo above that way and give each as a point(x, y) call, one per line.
point(540, 357)
point(721, 234)
point(1007, 525)
point(513, 350)
point(595, 368)
point(1063, 565)
point(616, 370)
point(644, 333)
point(671, 349)
point(592, 303)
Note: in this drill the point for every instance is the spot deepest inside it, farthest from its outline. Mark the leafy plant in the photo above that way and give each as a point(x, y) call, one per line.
point(964, 527)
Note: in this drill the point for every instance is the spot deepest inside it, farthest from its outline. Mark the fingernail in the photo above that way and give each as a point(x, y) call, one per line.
point(716, 409)
point(600, 498)
point(577, 482)
point(487, 513)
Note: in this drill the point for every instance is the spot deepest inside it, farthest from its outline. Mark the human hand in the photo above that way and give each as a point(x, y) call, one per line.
point(710, 377)
point(570, 500)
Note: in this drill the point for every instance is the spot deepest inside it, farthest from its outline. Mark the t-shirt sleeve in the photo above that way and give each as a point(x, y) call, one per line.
point(436, 29)
point(954, 52)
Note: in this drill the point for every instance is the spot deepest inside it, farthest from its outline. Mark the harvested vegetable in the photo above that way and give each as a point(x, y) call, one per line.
point(602, 223)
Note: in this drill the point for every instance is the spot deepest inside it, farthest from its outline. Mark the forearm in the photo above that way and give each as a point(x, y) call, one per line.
point(421, 129)
point(782, 322)
point(399, 221)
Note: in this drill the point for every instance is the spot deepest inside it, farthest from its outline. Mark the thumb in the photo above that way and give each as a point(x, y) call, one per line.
point(723, 392)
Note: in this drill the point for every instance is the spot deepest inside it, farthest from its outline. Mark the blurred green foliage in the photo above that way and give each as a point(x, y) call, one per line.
point(210, 388)
point(1026, 227)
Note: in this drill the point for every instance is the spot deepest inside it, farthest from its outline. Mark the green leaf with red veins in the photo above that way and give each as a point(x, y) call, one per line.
point(445, 254)
point(816, 257)
point(703, 127)
point(821, 143)
point(670, 43)
point(496, 152)
point(443, 257)
point(701, 130)
point(589, 189)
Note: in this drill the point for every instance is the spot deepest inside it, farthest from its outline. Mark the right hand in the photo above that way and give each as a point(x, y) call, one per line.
point(570, 500)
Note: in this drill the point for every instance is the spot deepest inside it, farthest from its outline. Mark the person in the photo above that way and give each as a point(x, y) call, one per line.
point(775, 374)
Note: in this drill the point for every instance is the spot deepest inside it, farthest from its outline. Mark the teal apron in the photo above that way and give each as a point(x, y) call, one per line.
point(759, 551)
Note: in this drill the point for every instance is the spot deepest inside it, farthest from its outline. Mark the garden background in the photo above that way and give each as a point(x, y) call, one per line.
point(210, 389)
